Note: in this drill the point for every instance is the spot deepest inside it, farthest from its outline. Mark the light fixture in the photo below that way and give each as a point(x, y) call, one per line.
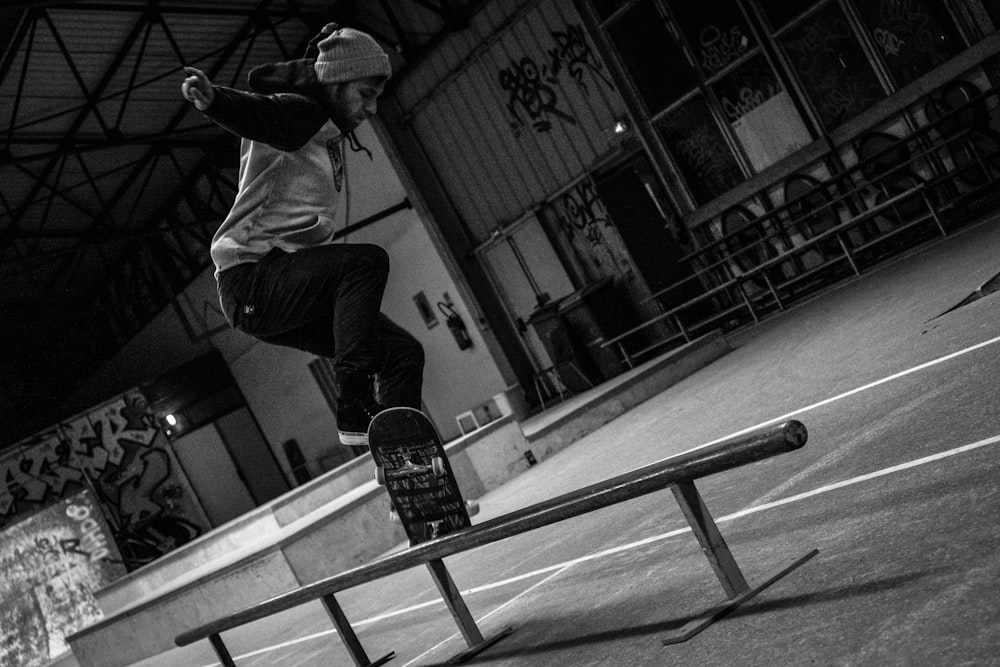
point(170, 419)
point(621, 126)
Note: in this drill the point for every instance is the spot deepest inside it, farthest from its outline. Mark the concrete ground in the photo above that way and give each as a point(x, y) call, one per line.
point(898, 488)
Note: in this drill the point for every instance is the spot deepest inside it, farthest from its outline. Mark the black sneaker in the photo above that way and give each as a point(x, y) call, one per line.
point(353, 418)
point(355, 409)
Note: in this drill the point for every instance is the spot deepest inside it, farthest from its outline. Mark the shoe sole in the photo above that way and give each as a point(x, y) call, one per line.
point(351, 439)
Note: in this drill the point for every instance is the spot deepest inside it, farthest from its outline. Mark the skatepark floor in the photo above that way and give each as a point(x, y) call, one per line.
point(898, 487)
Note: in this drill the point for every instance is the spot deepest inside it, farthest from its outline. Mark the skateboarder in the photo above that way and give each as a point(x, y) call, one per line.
point(280, 276)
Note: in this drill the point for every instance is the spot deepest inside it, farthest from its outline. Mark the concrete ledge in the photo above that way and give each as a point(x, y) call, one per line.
point(306, 535)
point(207, 550)
point(326, 488)
point(146, 630)
point(254, 571)
point(587, 412)
point(489, 456)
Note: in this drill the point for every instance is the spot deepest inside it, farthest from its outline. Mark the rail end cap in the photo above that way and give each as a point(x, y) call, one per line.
point(795, 433)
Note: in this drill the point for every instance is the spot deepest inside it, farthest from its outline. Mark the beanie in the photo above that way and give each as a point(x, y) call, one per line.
point(348, 54)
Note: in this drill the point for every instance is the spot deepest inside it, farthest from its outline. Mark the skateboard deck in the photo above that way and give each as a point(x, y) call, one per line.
point(411, 463)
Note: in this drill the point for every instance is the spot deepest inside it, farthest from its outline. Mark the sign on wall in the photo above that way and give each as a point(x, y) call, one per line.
point(52, 563)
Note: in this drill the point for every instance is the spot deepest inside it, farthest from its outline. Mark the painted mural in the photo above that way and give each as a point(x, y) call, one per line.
point(53, 562)
point(116, 452)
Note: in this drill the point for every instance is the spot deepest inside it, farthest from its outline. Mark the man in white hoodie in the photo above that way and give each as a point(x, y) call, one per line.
point(280, 276)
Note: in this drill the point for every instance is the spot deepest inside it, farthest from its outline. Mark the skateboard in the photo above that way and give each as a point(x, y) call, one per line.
point(411, 463)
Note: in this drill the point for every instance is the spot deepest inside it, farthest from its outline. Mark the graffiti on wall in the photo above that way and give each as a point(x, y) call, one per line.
point(117, 452)
point(584, 213)
point(531, 84)
point(53, 561)
point(573, 52)
point(589, 234)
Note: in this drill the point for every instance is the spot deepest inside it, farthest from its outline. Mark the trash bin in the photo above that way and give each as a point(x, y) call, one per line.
point(596, 313)
point(562, 346)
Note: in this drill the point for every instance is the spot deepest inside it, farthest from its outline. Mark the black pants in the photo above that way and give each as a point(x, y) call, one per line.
point(326, 300)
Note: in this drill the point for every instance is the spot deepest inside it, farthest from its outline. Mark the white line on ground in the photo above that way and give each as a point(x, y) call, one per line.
point(850, 392)
point(559, 568)
point(498, 609)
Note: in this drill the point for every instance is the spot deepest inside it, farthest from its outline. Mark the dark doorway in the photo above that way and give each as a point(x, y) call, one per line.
point(655, 250)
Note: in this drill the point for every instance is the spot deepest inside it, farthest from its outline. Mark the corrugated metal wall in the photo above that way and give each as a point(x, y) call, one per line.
point(512, 109)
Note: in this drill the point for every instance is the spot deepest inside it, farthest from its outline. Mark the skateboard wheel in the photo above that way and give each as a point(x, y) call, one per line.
point(380, 475)
point(437, 466)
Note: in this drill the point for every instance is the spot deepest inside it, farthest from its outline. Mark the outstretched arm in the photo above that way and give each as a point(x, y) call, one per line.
point(285, 121)
point(197, 88)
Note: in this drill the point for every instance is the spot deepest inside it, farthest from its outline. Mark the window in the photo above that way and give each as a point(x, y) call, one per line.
point(761, 113)
point(606, 8)
point(650, 54)
point(780, 12)
point(826, 56)
point(716, 32)
point(748, 95)
point(703, 157)
point(911, 37)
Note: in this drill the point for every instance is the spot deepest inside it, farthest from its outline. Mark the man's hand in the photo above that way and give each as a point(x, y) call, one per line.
point(197, 88)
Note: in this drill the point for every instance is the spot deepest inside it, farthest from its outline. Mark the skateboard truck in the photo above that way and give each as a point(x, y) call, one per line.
point(410, 469)
point(411, 463)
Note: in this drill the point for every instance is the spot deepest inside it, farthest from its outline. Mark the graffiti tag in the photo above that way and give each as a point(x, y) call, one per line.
point(532, 94)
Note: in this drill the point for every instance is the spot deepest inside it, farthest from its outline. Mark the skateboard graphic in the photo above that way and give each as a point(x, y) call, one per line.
point(410, 462)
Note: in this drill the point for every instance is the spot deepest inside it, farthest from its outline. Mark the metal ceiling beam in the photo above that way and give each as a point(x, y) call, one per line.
point(55, 193)
point(131, 307)
point(242, 34)
point(406, 47)
point(204, 9)
point(123, 188)
point(12, 35)
point(442, 9)
point(457, 20)
point(183, 189)
point(86, 145)
point(89, 238)
point(77, 123)
point(28, 28)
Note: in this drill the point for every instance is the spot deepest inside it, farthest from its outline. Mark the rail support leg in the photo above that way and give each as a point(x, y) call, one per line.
point(221, 651)
point(460, 612)
point(721, 559)
point(710, 539)
point(347, 635)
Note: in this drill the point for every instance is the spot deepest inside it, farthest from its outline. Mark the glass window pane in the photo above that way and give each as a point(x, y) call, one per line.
point(761, 113)
point(651, 55)
point(606, 8)
point(912, 36)
point(826, 55)
point(780, 12)
point(700, 150)
point(716, 31)
point(991, 7)
point(978, 18)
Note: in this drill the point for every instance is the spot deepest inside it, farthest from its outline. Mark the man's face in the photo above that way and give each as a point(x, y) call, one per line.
point(353, 102)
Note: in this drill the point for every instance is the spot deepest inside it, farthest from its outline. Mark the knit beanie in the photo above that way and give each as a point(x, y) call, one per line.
point(348, 54)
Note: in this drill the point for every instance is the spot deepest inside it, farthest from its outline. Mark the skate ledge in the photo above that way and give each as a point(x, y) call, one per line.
point(246, 554)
